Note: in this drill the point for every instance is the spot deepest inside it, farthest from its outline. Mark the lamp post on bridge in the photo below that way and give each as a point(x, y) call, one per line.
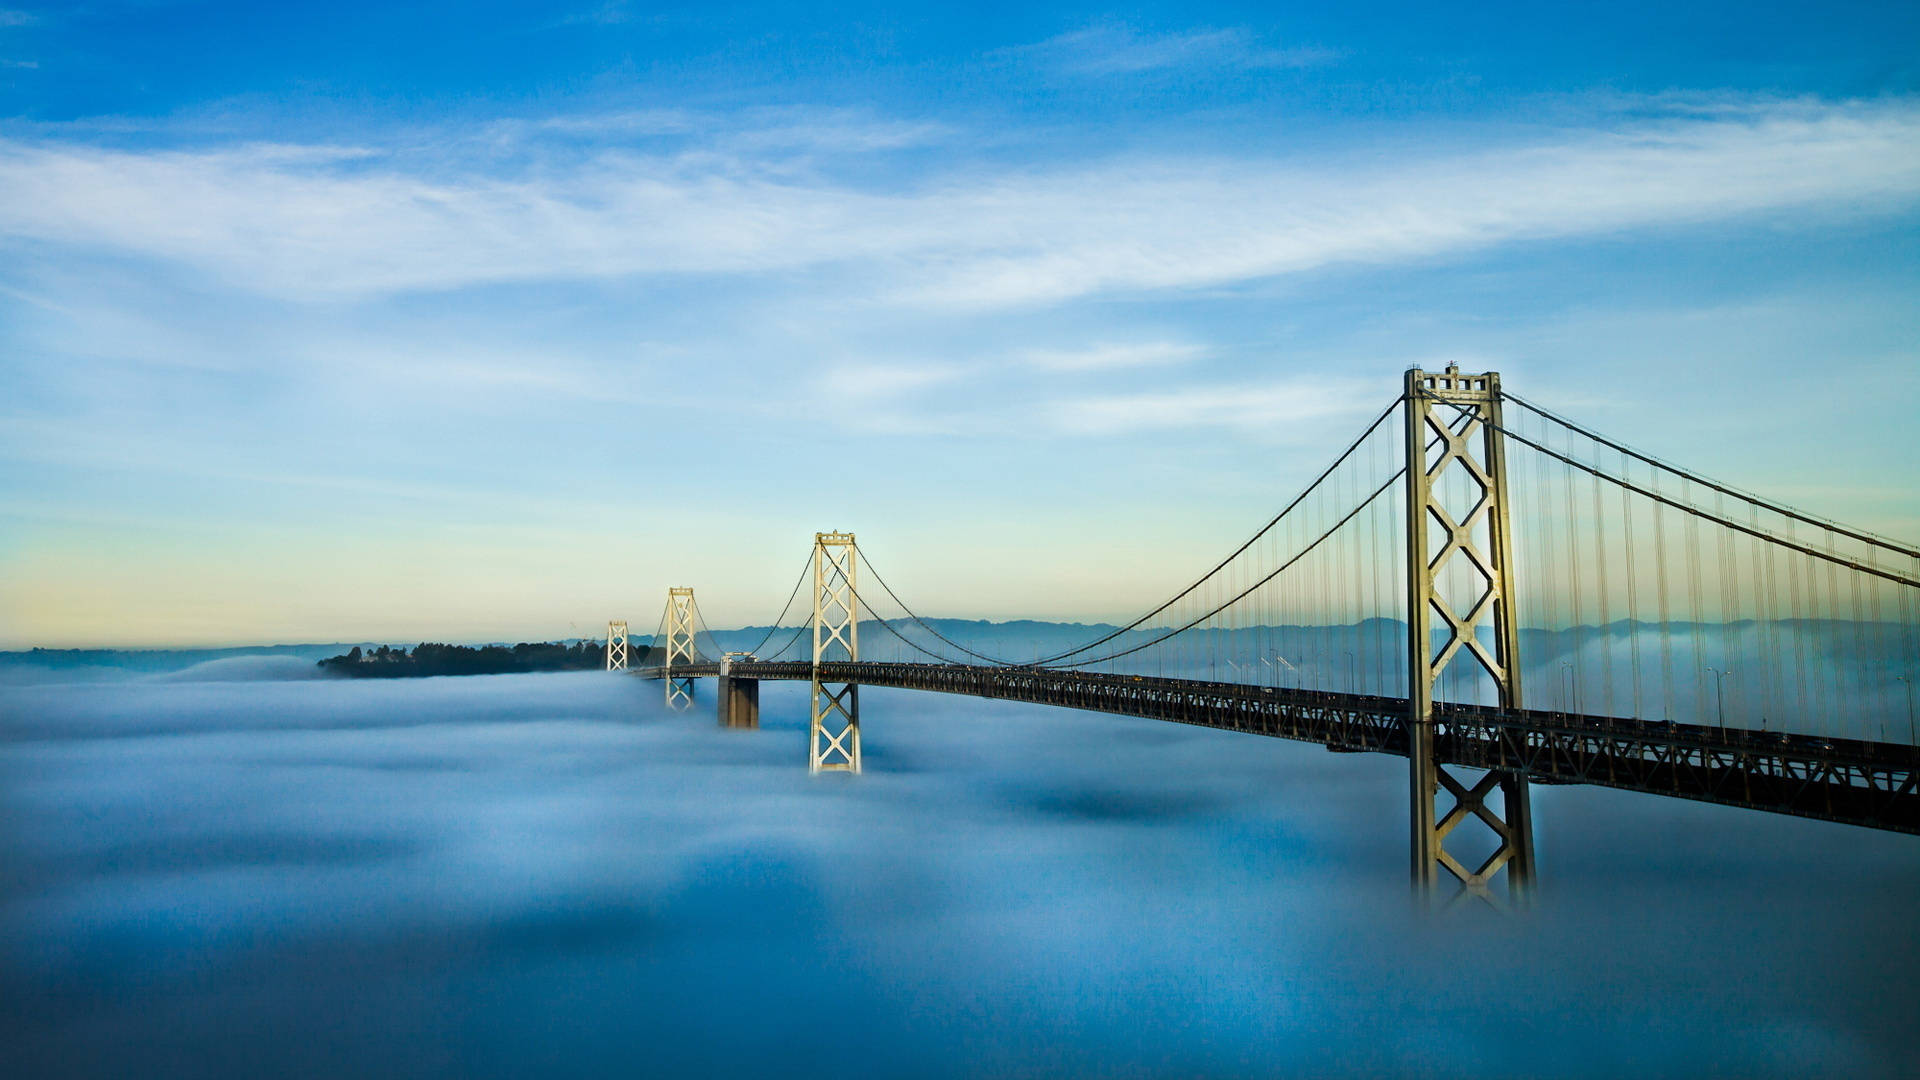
point(1719, 696)
point(1288, 665)
point(1911, 741)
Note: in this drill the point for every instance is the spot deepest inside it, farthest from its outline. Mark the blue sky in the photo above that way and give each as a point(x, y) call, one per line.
point(492, 320)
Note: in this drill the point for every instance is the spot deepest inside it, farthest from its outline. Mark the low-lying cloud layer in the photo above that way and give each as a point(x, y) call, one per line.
point(500, 876)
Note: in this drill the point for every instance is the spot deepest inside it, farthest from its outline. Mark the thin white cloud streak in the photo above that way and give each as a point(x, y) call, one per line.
point(757, 130)
point(1110, 357)
point(1267, 405)
point(612, 13)
point(331, 222)
point(836, 130)
point(1225, 222)
point(880, 380)
point(919, 400)
point(1119, 49)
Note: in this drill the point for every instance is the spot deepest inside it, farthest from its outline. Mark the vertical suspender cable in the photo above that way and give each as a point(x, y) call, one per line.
point(1666, 608)
point(1600, 557)
point(1633, 591)
point(1690, 531)
point(1579, 584)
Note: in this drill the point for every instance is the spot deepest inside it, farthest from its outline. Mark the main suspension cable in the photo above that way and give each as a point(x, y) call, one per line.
point(1182, 594)
point(1782, 509)
point(1687, 507)
point(1303, 553)
point(701, 620)
point(797, 631)
point(928, 627)
point(774, 627)
point(1053, 660)
point(871, 614)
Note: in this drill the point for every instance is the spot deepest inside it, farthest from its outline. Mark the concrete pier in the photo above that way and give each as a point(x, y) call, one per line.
point(737, 700)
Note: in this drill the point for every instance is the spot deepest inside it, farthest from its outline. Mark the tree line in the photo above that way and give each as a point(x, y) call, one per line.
point(433, 658)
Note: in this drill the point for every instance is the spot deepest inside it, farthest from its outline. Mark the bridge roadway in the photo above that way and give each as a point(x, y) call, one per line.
point(1871, 784)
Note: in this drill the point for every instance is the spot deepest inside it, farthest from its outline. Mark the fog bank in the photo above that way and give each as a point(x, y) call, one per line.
point(514, 875)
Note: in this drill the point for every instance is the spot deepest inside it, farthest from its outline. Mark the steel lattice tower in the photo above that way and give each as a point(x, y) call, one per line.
point(617, 645)
point(834, 739)
point(680, 646)
point(1461, 412)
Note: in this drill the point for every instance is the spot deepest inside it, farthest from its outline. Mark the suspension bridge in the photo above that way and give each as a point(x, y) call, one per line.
point(1673, 635)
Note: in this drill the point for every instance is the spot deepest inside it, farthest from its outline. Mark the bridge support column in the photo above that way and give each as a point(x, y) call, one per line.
point(833, 740)
point(1459, 559)
point(738, 699)
point(679, 634)
point(617, 645)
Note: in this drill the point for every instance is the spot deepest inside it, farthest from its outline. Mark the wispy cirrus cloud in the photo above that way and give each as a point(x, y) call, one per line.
point(1241, 405)
point(876, 380)
point(12, 19)
point(328, 222)
point(1120, 49)
point(761, 132)
point(609, 13)
point(1114, 355)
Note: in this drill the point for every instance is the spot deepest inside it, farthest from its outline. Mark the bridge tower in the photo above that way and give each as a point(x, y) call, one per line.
point(679, 646)
point(1470, 554)
point(617, 645)
point(834, 738)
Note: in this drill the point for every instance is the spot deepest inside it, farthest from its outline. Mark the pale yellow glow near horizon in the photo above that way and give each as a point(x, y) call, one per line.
point(121, 590)
point(180, 583)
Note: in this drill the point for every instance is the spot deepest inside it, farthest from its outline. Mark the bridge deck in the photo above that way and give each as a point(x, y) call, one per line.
point(1859, 783)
